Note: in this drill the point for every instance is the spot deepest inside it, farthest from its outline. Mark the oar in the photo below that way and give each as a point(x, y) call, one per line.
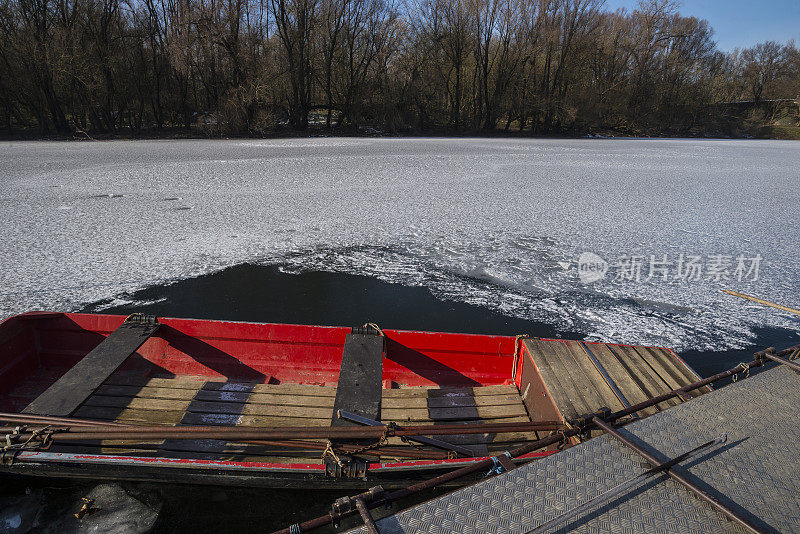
point(343, 414)
point(762, 301)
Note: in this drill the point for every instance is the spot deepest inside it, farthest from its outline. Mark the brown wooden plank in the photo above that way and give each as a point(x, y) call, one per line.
point(581, 399)
point(104, 413)
point(648, 380)
point(453, 414)
point(414, 401)
point(672, 365)
point(621, 376)
point(605, 395)
point(208, 407)
point(580, 387)
point(665, 372)
point(451, 402)
point(551, 377)
point(158, 417)
point(251, 420)
point(502, 389)
point(151, 392)
point(148, 392)
point(195, 383)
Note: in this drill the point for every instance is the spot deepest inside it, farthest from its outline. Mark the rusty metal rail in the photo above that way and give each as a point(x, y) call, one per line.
point(64, 432)
point(794, 365)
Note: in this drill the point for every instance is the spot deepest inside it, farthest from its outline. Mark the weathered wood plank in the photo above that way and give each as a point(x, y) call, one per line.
point(165, 417)
point(359, 387)
point(454, 414)
point(435, 391)
point(391, 401)
point(450, 402)
point(643, 374)
point(605, 395)
point(551, 377)
point(583, 395)
point(68, 392)
point(208, 407)
point(669, 365)
point(105, 413)
point(565, 382)
point(619, 374)
point(667, 373)
point(195, 383)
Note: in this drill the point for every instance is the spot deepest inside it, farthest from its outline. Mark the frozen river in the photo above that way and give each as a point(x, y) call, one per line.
point(501, 223)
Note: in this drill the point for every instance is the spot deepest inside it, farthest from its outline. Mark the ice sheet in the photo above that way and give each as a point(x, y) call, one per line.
point(495, 222)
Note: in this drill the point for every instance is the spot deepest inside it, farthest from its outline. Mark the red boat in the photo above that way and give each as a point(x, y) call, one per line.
point(140, 398)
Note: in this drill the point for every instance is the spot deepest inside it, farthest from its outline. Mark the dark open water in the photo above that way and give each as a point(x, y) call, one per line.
point(266, 294)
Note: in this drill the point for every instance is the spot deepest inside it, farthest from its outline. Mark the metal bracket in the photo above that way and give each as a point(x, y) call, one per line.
point(39, 439)
point(142, 319)
point(369, 329)
point(350, 468)
point(346, 505)
point(501, 464)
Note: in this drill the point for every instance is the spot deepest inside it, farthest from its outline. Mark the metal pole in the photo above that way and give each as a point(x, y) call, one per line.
point(276, 433)
point(372, 528)
point(793, 365)
point(691, 486)
point(344, 414)
point(51, 420)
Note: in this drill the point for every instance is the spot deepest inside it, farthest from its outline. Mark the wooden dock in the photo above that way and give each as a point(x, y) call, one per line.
point(564, 380)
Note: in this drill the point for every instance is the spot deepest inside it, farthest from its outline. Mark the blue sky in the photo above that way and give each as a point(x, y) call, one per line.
point(740, 23)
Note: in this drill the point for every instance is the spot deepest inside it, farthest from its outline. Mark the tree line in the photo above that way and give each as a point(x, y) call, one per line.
point(257, 66)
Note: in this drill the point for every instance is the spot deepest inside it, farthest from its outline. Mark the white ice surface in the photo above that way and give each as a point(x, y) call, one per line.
point(484, 221)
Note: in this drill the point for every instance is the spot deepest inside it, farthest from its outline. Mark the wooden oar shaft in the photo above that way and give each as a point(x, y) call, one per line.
point(762, 301)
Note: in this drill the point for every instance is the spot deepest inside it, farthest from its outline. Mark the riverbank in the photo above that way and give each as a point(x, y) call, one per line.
point(727, 131)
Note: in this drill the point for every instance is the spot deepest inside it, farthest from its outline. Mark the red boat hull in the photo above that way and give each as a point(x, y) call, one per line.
point(37, 348)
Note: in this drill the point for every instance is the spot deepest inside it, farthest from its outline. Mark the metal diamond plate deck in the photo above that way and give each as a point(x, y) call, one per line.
point(756, 473)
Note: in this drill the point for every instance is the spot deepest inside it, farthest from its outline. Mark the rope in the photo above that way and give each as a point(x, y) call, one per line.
point(375, 326)
point(562, 433)
point(329, 452)
point(516, 354)
point(34, 434)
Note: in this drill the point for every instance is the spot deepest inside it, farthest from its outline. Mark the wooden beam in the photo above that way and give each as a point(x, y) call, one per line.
point(360, 378)
point(76, 385)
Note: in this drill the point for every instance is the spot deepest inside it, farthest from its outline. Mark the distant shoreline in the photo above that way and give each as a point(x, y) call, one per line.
point(767, 133)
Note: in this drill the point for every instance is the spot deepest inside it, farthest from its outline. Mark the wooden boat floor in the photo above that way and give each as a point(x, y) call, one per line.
point(581, 377)
point(189, 401)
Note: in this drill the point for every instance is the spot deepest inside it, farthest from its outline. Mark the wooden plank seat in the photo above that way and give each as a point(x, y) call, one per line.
point(82, 379)
point(189, 401)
